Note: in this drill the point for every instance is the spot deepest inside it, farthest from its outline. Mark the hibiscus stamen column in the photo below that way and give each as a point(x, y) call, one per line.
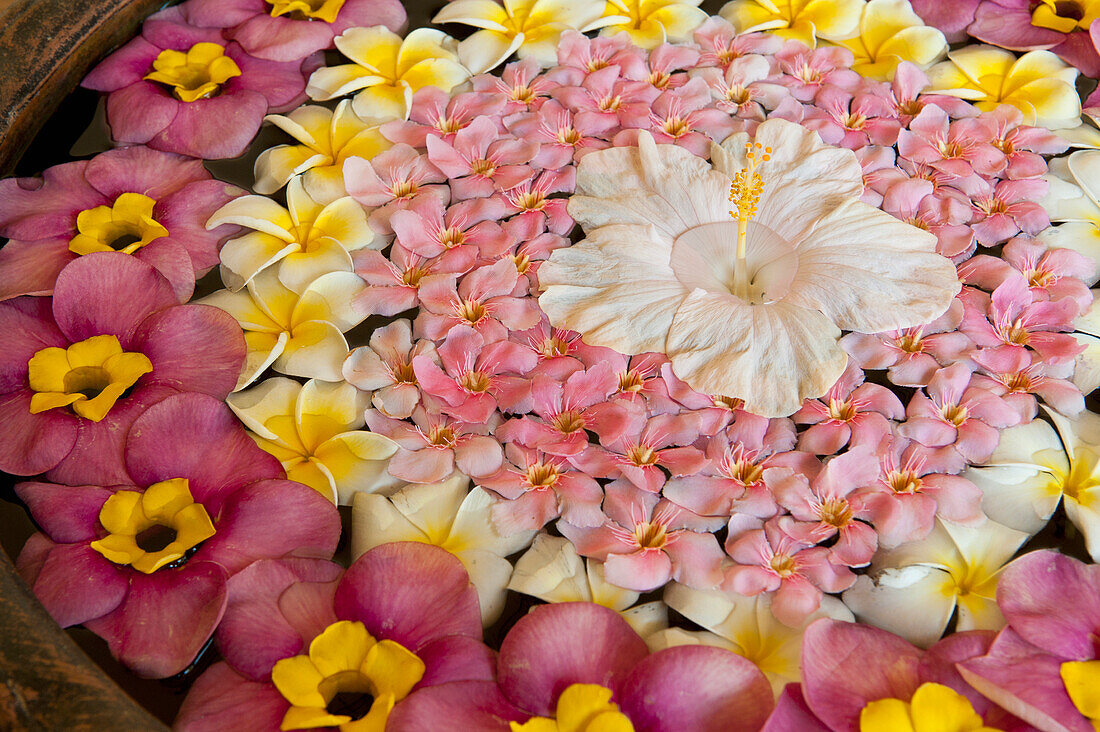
point(745, 195)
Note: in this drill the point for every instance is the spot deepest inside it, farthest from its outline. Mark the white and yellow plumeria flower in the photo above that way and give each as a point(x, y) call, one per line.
point(744, 625)
point(1035, 467)
point(915, 589)
point(529, 28)
point(1073, 201)
point(298, 335)
point(1086, 368)
point(1039, 84)
point(799, 20)
point(551, 570)
point(327, 138)
point(387, 70)
point(889, 33)
point(305, 240)
point(448, 515)
point(314, 431)
point(649, 23)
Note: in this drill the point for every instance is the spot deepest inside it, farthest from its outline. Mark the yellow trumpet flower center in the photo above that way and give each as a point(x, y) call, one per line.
point(580, 708)
point(125, 226)
point(1082, 680)
point(347, 678)
point(195, 74)
point(325, 10)
point(90, 376)
point(1065, 16)
point(153, 529)
point(933, 706)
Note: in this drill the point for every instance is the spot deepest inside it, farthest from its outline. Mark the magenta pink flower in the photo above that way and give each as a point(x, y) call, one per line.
point(957, 414)
point(395, 281)
point(483, 300)
point(563, 411)
point(556, 646)
point(521, 84)
point(958, 148)
point(913, 201)
point(770, 560)
point(466, 378)
point(435, 113)
point(646, 445)
point(190, 348)
point(1003, 210)
point(391, 181)
point(734, 479)
point(829, 505)
point(431, 447)
point(538, 488)
point(579, 53)
point(40, 216)
point(744, 89)
point(479, 162)
point(1052, 605)
point(148, 113)
point(385, 368)
point(912, 355)
point(157, 622)
point(908, 100)
point(1012, 318)
point(645, 541)
point(850, 412)
point(564, 135)
point(604, 97)
point(533, 208)
point(683, 117)
point(913, 488)
point(1008, 23)
point(277, 609)
point(286, 37)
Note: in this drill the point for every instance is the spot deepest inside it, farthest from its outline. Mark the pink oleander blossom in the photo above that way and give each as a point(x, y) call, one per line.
point(1023, 146)
point(605, 96)
point(41, 217)
point(1018, 376)
point(744, 89)
point(808, 71)
point(1003, 210)
point(482, 300)
point(520, 83)
point(721, 43)
point(384, 367)
point(144, 112)
point(681, 117)
point(286, 37)
point(435, 113)
point(1052, 274)
point(277, 609)
point(479, 162)
point(852, 119)
point(958, 148)
point(538, 488)
point(559, 645)
point(913, 202)
point(429, 229)
point(395, 281)
point(391, 181)
point(190, 348)
point(564, 136)
point(157, 622)
point(851, 412)
point(579, 53)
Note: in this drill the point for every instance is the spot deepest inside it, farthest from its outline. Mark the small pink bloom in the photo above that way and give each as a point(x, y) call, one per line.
point(391, 181)
point(1052, 274)
point(850, 412)
point(520, 83)
point(385, 368)
point(913, 202)
point(743, 89)
point(579, 53)
point(538, 488)
point(959, 148)
point(603, 98)
point(721, 43)
point(808, 71)
point(852, 119)
point(564, 136)
point(429, 229)
point(483, 300)
point(1013, 318)
point(907, 98)
point(533, 206)
point(1018, 376)
point(395, 281)
point(1003, 210)
point(436, 114)
point(681, 117)
point(479, 162)
point(1023, 146)
point(431, 447)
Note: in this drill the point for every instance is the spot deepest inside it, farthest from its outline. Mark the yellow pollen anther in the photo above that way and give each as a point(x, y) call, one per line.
point(745, 192)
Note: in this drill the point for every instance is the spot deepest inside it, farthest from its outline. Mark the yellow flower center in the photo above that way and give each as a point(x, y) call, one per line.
point(836, 512)
point(483, 167)
point(413, 275)
point(904, 481)
point(90, 376)
point(744, 471)
point(650, 535)
point(580, 708)
point(125, 226)
point(640, 456)
point(404, 189)
point(782, 565)
point(631, 381)
point(1083, 477)
point(197, 74)
point(153, 529)
point(403, 373)
point(1065, 16)
point(568, 421)
point(956, 414)
point(730, 403)
point(347, 678)
point(325, 10)
point(474, 381)
point(1082, 680)
point(523, 263)
point(541, 475)
point(553, 347)
point(841, 410)
point(933, 706)
point(745, 192)
point(910, 341)
point(471, 311)
point(441, 437)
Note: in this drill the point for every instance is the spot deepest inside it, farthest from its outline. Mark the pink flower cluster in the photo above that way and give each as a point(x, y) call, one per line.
point(639, 470)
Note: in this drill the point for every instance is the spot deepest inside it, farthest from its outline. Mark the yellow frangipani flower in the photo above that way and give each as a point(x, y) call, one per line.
point(800, 20)
point(325, 10)
point(1039, 84)
point(327, 138)
point(889, 33)
point(387, 70)
point(314, 429)
point(345, 659)
point(529, 28)
point(649, 23)
point(932, 707)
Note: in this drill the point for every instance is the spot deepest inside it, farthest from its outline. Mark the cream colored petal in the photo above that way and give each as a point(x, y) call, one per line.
point(315, 350)
point(374, 48)
point(325, 183)
point(383, 102)
point(988, 546)
point(243, 308)
point(345, 221)
point(978, 613)
point(268, 410)
point(603, 592)
point(869, 272)
point(615, 287)
point(357, 462)
point(273, 297)
point(246, 256)
point(308, 124)
point(772, 356)
point(749, 16)
point(1081, 237)
point(330, 82)
point(1032, 446)
point(432, 507)
point(329, 298)
point(255, 212)
point(664, 186)
point(486, 49)
point(489, 574)
point(375, 521)
point(1086, 373)
point(277, 165)
point(915, 602)
point(984, 65)
point(1085, 515)
point(478, 13)
point(1016, 497)
point(326, 409)
point(1038, 65)
point(261, 351)
point(679, 20)
point(947, 78)
point(1083, 135)
point(441, 73)
point(1056, 103)
point(551, 570)
point(424, 44)
point(1084, 167)
point(646, 619)
point(473, 528)
point(298, 270)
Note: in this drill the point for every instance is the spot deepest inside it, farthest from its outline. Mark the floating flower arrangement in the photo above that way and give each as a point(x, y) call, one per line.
point(669, 371)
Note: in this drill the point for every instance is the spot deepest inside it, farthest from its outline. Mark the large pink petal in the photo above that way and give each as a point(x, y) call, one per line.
point(125, 66)
point(33, 443)
point(791, 713)
point(40, 208)
point(66, 514)
point(476, 706)
point(217, 456)
point(139, 112)
point(308, 525)
point(142, 170)
point(409, 592)
point(555, 646)
point(108, 293)
point(456, 658)
point(77, 584)
point(171, 260)
point(216, 128)
point(222, 699)
point(197, 348)
point(847, 665)
point(31, 268)
point(165, 619)
point(282, 39)
point(28, 327)
point(700, 688)
point(640, 571)
point(1053, 601)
